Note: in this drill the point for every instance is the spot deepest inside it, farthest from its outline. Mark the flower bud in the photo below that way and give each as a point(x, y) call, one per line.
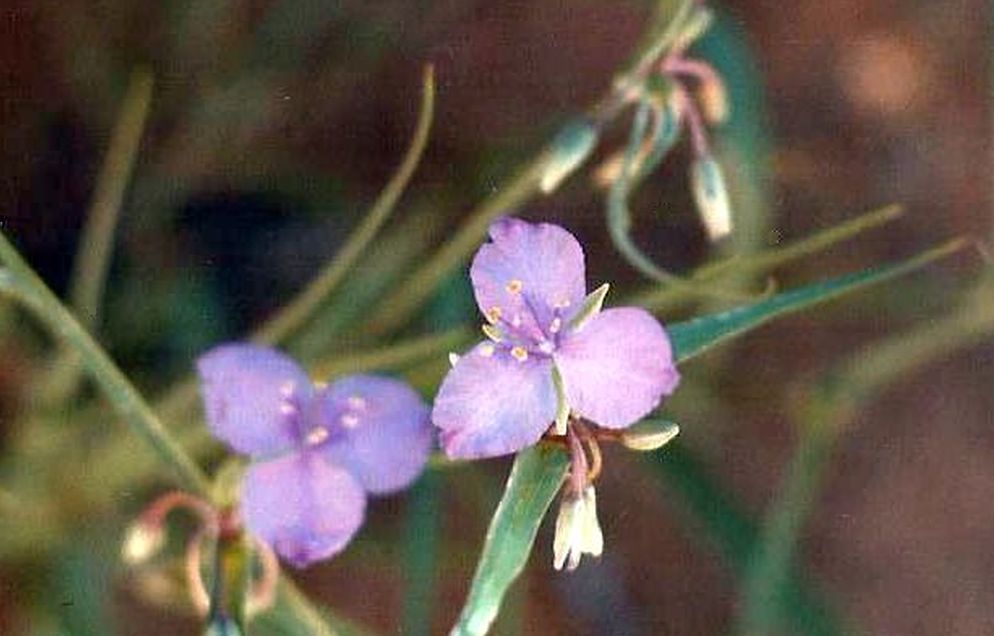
point(649, 435)
point(568, 150)
point(577, 530)
point(708, 184)
point(142, 541)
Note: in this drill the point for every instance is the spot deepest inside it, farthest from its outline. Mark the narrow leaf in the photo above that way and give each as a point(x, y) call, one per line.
point(693, 337)
point(535, 479)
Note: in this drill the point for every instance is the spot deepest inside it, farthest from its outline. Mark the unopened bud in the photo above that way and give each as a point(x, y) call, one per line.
point(142, 541)
point(708, 184)
point(567, 152)
point(649, 435)
point(578, 531)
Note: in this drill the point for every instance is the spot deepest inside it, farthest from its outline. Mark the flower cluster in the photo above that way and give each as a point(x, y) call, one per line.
point(554, 365)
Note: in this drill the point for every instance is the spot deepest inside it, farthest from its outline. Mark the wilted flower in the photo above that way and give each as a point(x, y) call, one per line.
point(552, 352)
point(317, 450)
point(577, 530)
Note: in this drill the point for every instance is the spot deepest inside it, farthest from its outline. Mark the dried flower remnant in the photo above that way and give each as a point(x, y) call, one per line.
point(551, 352)
point(146, 538)
point(316, 450)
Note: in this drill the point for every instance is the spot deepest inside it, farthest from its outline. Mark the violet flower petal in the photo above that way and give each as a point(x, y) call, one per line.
point(302, 506)
point(490, 405)
point(379, 431)
point(252, 397)
point(528, 269)
point(617, 367)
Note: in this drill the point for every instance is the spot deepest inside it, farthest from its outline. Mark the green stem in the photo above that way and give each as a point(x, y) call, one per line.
point(662, 299)
point(397, 308)
point(92, 263)
point(822, 418)
point(394, 356)
point(90, 269)
point(303, 306)
point(23, 283)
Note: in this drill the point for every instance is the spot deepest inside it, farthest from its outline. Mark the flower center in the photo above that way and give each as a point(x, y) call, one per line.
point(523, 331)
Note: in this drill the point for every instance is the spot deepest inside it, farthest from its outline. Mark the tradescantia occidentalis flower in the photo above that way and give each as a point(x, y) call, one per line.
point(554, 363)
point(316, 450)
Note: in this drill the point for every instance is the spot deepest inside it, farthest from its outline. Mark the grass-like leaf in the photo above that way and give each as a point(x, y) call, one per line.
point(693, 337)
point(535, 479)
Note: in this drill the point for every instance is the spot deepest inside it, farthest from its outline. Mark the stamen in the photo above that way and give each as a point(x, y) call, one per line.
point(320, 386)
point(486, 350)
point(356, 402)
point(519, 354)
point(317, 435)
point(453, 358)
point(289, 409)
point(287, 388)
point(546, 347)
point(514, 286)
point(555, 325)
point(493, 314)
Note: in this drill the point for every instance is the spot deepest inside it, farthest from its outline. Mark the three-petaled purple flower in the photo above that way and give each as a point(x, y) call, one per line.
point(552, 352)
point(317, 450)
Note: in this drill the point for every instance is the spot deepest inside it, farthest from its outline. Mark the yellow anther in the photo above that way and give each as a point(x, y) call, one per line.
point(514, 286)
point(519, 354)
point(317, 435)
point(486, 350)
point(493, 314)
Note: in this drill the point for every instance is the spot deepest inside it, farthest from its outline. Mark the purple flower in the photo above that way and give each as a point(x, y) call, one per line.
point(552, 351)
point(317, 450)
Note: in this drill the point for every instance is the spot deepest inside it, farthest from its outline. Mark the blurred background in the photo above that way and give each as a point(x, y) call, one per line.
point(271, 128)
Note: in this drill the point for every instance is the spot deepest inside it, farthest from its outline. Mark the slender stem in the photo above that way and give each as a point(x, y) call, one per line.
point(303, 306)
point(661, 299)
point(822, 417)
point(398, 307)
point(90, 269)
point(698, 131)
point(393, 356)
point(289, 595)
point(35, 295)
point(416, 289)
point(620, 219)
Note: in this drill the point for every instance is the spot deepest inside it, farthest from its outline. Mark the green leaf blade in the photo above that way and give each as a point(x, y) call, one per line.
point(693, 337)
point(535, 479)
